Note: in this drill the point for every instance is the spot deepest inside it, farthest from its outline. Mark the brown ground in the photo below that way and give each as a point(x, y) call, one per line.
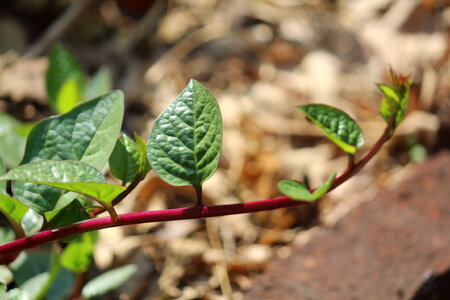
point(388, 248)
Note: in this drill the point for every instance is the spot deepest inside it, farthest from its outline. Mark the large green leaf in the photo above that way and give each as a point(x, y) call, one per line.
point(64, 81)
point(184, 145)
point(298, 191)
point(108, 281)
point(77, 256)
point(87, 133)
point(336, 124)
point(69, 175)
point(125, 159)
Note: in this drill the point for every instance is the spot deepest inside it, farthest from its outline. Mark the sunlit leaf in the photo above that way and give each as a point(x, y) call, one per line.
point(125, 159)
point(336, 124)
point(77, 256)
point(87, 133)
point(184, 145)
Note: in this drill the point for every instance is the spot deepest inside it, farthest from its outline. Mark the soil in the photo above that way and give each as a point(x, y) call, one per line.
point(394, 247)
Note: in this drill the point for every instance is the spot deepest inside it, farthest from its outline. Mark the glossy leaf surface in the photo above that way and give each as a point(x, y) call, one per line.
point(336, 124)
point(184, 145)
point(73, 176)
point(87, 133)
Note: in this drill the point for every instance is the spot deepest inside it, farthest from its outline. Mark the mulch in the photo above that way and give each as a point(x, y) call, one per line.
point(396, 246)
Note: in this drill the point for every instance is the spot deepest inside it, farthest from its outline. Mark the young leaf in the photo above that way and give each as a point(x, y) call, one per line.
point(99, 84)
point(74, 176)
point(395, 100)
point(64, 81)
point(298, 191)
point(108, 281)
point(336, 124)
point(295, 190)
point(77, 255)
point(184, 145)
point(87, 133)
point(324, 187)
point(125, 159)
point(144, 165)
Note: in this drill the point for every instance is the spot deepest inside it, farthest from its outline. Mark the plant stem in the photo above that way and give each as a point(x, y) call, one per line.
point(199, 194)
point(194, 212)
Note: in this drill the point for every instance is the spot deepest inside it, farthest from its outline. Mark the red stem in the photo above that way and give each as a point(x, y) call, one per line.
point(194, 212)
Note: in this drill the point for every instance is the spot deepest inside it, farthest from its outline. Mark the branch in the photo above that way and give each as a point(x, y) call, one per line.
point(194, 212)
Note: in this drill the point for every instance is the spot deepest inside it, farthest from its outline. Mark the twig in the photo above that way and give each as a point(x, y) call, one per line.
point(194, 212)
point(58, 27)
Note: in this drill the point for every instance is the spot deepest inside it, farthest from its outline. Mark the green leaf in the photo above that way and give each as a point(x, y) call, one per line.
point(64, 81)
point(32, 222)
point(298, 191)
point(18, 294)
point(324, 187)
point(395, 100)
point(69, 175)
point(2, 184)
point(34, 285)
point(87, 133)
point(14, 211)
point(144, 165)
point(100, 84)
point(108, 281)
point(184, 145)
point(12, 140)
point(124, 160)
point(295, 190)
point(77, 256)
point(74, 212)
point(336, 124)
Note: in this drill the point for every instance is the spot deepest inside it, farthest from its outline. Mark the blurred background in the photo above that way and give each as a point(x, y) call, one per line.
point(260, 59)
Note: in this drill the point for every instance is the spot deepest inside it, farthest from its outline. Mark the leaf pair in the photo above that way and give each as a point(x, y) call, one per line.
point(298, 191)
point(394, 103)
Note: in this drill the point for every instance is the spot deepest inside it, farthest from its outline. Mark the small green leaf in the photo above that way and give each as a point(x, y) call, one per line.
point(73, 176)
point(64, 81)
point(395, 100)
point(295, 190)
point(108, 281)
point(77, 256)
point(125, 159)
point(87, 133)
point(324, 187)
point(298, 191)
point(144, 165)
point(184, 145)
point(336, 124)
point(100, 84)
